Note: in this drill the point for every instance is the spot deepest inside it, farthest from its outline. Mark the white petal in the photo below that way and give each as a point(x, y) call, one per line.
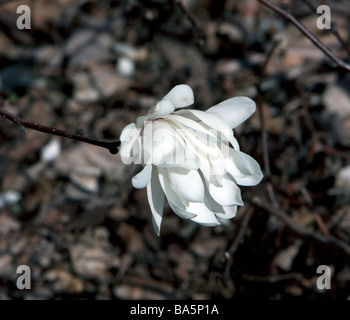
point(234, 143)
point(235, 110)
point(197, 212)
point(164, 142)
point(181, 157)
point(163, 107)
point(204, 215)
point(227, 195)
point(181, 96)
point(141, 121)
point(170, 194)
point(200, 144)
point(126, 151)
point(129, 130)
point(229, 212)
point(210, 156)
point(129, 146)
point(208, 149)
point(184, 123)
point(217, 126)
point(210, 119)
point(142, 179)
point(209, 173)
point(221, 212)
point(181, 212)
point(188, 184)
point(190, 160)
point(167, 147)
point(243, 168)
point(155, 196)
point(136, 151)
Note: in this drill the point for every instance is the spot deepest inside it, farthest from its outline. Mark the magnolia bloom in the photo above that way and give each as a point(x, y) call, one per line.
point(191, 157)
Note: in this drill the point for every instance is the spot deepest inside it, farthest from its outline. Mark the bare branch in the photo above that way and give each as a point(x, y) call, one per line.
point(6, 1)
point(327, 241)
point(247, 215)
point(334, 27)
point(198, 31)
point(111, 146)
point(286, 15)
point(264, 137)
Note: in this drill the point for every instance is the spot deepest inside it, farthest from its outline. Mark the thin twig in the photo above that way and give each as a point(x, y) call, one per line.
point(273, 278)
point(242, 230)
point(330, 241)
point(6, 1)
point(286, 15)
point(261, 116)
point(198, 31)
point(111, 146)
point(260, 100)
point(334, 27)
point(247, 215)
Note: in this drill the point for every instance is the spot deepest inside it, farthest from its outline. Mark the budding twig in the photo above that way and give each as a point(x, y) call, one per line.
point(286, 15)
point(111, 146)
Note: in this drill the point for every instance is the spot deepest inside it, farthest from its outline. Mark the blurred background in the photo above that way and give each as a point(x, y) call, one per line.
point(68, 209)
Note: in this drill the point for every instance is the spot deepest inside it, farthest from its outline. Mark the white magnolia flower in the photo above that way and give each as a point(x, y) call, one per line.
point(191, 157)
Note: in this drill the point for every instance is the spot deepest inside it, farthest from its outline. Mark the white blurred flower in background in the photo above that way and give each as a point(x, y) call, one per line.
point(51, 150)
point(191, 157)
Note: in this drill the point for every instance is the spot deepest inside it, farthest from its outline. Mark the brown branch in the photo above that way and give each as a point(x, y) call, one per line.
point(247, 215)
point(6, 1)
point(111, 146)
point(273, 278)
point(330, 241)
point(286, 15)
point(260, 101)
point(198, 31)
point(242, 230)
point(334, 27)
